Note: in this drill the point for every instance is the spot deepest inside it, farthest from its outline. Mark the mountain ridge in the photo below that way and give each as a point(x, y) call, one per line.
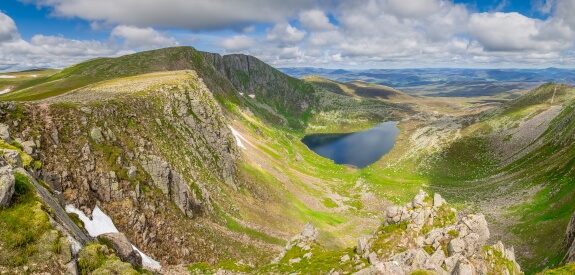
point(157, 149)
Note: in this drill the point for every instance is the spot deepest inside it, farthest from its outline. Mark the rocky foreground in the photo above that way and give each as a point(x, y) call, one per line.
point(425, 236)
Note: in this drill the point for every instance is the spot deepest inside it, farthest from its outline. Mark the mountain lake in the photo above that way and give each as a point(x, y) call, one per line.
point(358, 149)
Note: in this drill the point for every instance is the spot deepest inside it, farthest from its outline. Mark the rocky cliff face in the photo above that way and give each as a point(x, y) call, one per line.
point(157, 162)
point(569, 241)
point(290, 99)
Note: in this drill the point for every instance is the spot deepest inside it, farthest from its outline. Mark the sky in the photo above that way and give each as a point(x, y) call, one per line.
point(350, 34)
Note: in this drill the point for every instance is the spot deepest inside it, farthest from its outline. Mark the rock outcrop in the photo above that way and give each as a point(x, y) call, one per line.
point(6, 185)
point(12, 157)
point(123, 248)
point(5, 133)
point(171, 183)
point(303, 240)
point(569, 241)
point(425, 235)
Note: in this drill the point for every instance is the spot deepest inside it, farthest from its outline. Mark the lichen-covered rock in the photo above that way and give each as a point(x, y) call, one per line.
point(5, 133)
point(171, 183)
point(6, 185)
point(426, 236)
point(419, 199)
point(12, 157)
point(96, 135)
point(438, 201)
point(303, 240)
point(29, 147)
point(124, 248)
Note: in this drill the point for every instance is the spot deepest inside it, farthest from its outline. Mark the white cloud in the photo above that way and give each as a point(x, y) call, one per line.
point(285, 33)
point(413, 8)
point(367, 33)
point(188, 14)
point(564, 11)
point(237, 43)
point(544, 6)
point(45, 51)
point(515, 32)
point(315, 20)
point(8, 30)
point(142, 38)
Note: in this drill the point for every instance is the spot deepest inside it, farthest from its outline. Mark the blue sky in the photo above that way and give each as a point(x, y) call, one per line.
point(315, 33)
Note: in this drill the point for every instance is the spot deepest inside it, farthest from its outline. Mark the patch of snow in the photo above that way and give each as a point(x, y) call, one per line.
point(75, 246)
point(252, 96)
point(102, 223)
point(7, 76)
point(98, 225)
point(241, 94)
point(5, 91)
point(147, 261)
point(34, 75)
point(239, 138)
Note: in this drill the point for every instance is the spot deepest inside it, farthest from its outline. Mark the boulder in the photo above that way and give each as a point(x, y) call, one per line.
point(438, 201)
point(455, 246)
point(372, 258)
point(419, 199)
point(436, 259)
point(12, 157)
point(363, 245)
point(96, 134)
point(463, 267)
point(124, 248)
point(7, 182)
point(392, 211)
point(5, 133)
point(477, 224)
point(303, 240)
point(28, 147)
point(132, 172)
point(308, 234)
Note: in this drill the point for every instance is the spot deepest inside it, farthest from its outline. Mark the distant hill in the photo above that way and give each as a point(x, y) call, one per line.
point(358, 88)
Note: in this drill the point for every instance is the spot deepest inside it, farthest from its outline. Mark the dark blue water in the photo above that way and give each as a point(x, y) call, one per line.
point(359, 149)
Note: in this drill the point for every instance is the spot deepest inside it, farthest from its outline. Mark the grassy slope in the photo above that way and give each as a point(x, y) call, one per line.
point(92, 71)
point(358, 89)
point(26, 236)
point(21, 77)
point(534, 192)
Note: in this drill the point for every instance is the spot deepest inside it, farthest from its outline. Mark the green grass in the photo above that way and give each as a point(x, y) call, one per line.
point(22, 224)
point(567, 269)
point(93, 259)
point(329, 203)
point(27, 160)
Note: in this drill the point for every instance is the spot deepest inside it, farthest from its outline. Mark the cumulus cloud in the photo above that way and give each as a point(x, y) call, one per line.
point(188, 14)
point(413, 8)
point(285, 34)
point(515, 32)
point(8, 30)
point(142, 38)
point(237, 43)
point(544, 6)
point(46, 51)
point(315, 20)
point(564, 11)
point(367, 33)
